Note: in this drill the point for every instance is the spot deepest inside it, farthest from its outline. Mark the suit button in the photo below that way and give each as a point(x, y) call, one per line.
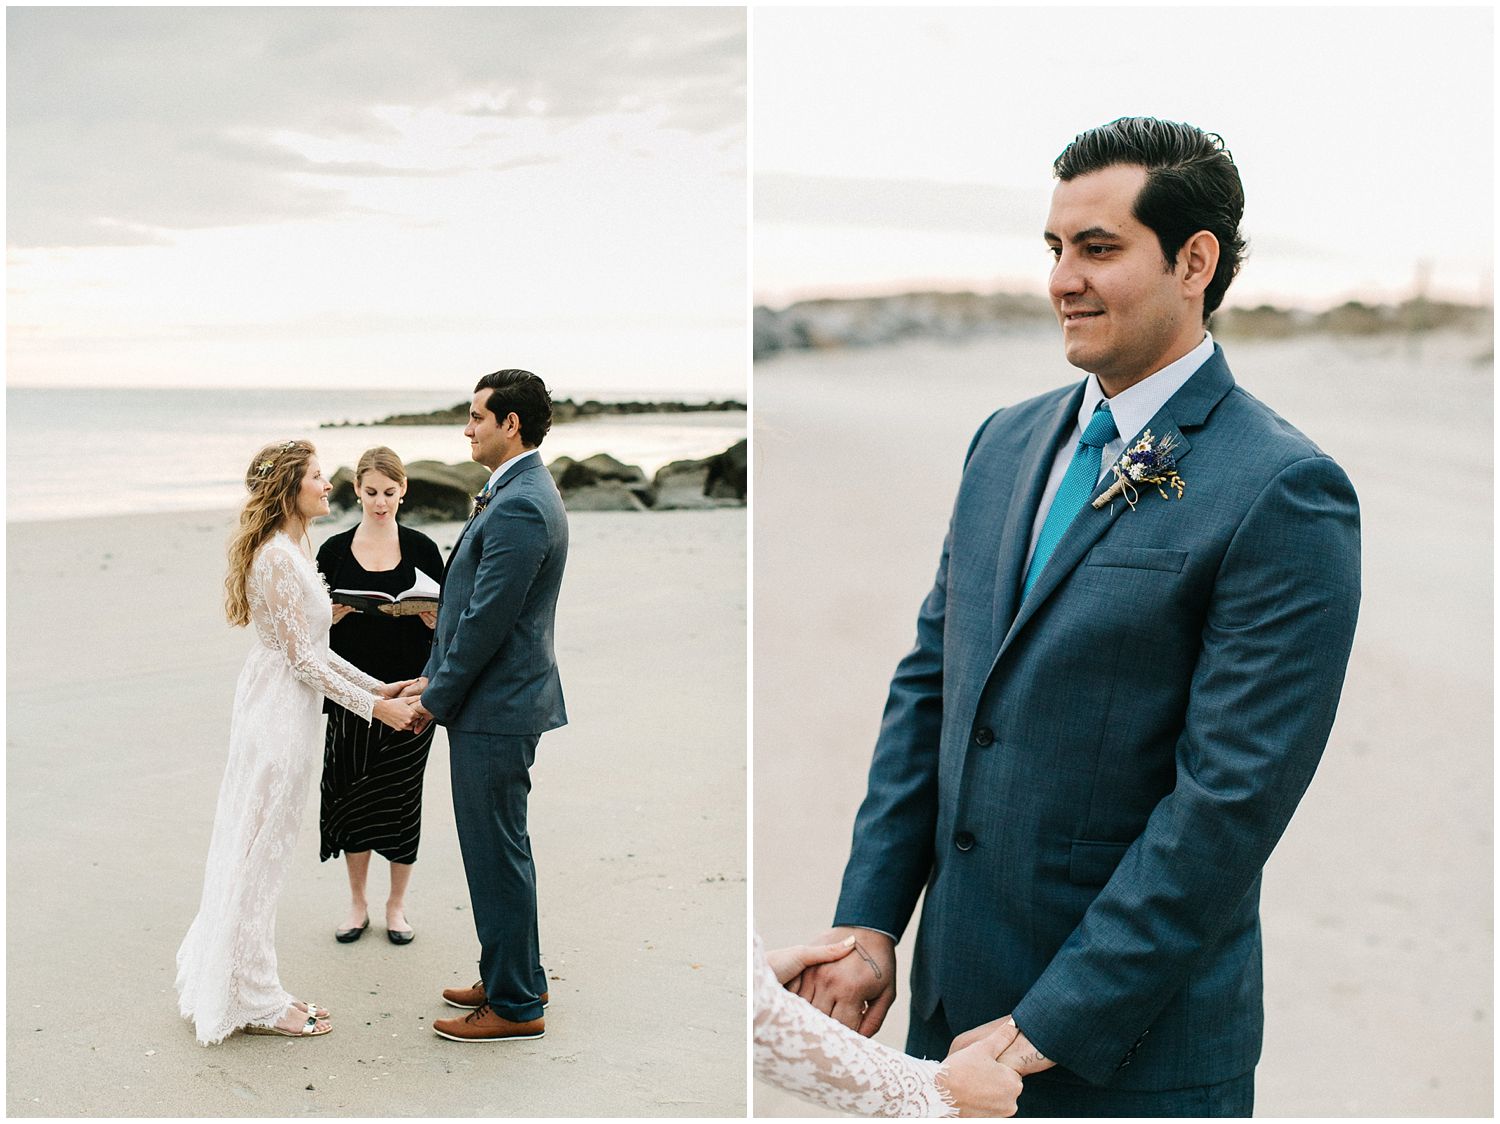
point(964, 841)
point(984, 736)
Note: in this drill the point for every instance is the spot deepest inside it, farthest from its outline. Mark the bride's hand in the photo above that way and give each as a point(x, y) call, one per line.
point(395, 713)
point(978, 1083)
point(789, 963)
point(393, 690)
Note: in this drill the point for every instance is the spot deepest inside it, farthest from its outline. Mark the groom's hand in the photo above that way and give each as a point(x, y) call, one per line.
point(414, 686)
point(1020, 1055)
point(857, 989)
point(423, 715)
point(790, 963)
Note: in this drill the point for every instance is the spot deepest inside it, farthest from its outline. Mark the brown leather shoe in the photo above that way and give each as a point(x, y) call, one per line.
point(483, 1025)
point(468, 998)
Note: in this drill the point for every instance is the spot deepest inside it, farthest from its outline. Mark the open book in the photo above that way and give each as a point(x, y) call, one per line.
point(420, 598)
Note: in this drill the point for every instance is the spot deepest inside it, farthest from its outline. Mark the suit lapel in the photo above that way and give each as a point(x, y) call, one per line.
point(1187, 409)
point(452, 554)
point(1015, 536)
point(504, 482)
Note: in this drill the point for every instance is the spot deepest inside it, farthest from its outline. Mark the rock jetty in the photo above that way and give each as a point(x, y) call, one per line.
point(563, 410)
point(872, 321)
point(438, 492)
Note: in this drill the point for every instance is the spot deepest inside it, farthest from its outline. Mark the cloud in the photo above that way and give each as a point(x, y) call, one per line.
point(124, 123)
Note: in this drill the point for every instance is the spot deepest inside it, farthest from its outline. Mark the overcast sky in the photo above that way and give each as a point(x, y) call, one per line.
point(368, 196)
point(896, 148)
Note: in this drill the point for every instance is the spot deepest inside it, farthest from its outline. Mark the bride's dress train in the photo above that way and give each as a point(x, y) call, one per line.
point(226, 967)
point(802, 1050)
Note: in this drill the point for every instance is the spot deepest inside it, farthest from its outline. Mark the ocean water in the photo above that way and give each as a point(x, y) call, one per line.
point(73, 452)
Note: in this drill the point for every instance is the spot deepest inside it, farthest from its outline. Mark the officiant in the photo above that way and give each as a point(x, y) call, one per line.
point(372, 775)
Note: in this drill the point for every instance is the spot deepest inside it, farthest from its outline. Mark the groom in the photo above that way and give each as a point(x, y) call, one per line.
point(1112, 708)
point(492, 682)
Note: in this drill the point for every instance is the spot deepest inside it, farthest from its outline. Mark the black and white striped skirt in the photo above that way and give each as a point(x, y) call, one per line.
point(372, 787)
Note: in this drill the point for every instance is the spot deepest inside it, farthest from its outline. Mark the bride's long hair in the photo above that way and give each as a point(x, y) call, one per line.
point(273, 480)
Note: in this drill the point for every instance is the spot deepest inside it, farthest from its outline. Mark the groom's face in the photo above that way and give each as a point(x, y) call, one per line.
point(1124, 312)
point(491, 440)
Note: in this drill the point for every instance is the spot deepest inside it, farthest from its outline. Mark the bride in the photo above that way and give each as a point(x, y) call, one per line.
point(226, 967)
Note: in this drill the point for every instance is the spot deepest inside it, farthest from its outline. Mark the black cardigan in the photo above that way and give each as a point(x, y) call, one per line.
point(392, 635)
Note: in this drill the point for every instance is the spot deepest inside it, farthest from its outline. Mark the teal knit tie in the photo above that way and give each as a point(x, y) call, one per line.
point(1077, 485)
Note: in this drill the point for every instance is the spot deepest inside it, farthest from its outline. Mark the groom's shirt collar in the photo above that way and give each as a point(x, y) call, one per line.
point(1132, 408)
point(508, 465)
point(1137, 405)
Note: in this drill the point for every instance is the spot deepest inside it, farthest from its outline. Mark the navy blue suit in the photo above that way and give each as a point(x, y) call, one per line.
point(1088, 782)
point(493, 684)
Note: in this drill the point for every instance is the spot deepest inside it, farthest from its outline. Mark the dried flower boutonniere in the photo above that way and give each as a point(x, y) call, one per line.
point(1145, 462)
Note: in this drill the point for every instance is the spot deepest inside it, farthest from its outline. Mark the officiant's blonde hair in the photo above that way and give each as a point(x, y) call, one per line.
point(273, 480)
point(381, 460)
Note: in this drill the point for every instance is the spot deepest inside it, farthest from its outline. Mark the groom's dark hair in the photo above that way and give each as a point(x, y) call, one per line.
point(518, 392)
point(1192, 184)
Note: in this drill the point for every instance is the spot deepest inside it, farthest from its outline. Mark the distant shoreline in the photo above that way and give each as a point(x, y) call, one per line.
point(872, 321)
point(563, 410)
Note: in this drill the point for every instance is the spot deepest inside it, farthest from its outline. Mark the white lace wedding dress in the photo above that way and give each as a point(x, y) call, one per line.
point(802, 1050)
point(226, 967)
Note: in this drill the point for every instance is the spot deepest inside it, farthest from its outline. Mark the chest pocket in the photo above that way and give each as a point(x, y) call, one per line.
point(1138, 558)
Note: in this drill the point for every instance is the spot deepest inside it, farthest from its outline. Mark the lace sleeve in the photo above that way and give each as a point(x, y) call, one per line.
point(802, 1050)
point(354, 674)
point(283, 591)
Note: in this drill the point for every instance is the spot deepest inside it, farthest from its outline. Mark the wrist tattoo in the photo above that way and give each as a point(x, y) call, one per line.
point(868, 959)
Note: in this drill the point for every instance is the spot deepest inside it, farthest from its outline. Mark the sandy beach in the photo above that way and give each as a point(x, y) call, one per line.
point(121, 674)
point(1377, 905)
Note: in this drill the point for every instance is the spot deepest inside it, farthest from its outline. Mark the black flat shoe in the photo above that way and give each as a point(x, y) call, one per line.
point(396, 936)
point(349, 936)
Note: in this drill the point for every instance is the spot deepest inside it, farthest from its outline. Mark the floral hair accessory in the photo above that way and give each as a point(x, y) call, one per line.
point(1145, 462)
point(265, 466)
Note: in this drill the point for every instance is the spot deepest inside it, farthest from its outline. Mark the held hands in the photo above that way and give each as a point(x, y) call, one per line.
point(1018, 1053)
point(395, 690)
point(412, 692)
point(789, 963)
point(856, 990)
point(978, 1076)
point(398, 714)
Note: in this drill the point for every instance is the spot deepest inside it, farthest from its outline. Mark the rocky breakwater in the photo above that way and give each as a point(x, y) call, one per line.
point(563, 410)
point(872, 321)
point(438, 492)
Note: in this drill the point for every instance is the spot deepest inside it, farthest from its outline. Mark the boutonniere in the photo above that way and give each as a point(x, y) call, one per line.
point(1145, 462)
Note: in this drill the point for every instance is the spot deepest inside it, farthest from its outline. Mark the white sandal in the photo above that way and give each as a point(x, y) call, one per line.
point(309, 1029)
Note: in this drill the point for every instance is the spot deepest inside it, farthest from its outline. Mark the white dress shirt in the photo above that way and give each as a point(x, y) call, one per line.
point(1132, 408)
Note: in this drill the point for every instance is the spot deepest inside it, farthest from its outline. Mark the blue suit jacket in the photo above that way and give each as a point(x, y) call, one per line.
point(492, 668)
point(1088, 782)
